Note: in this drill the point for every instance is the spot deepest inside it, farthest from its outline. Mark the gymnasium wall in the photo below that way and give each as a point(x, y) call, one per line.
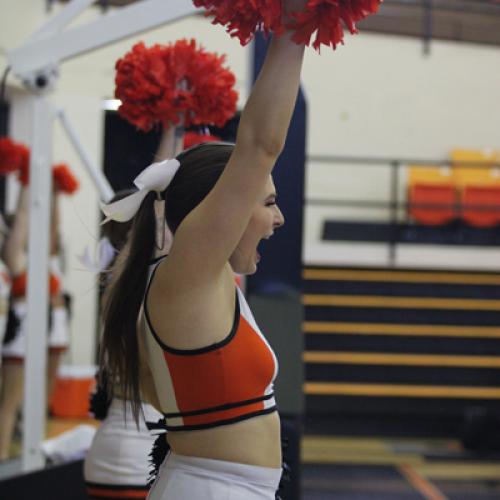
point(84, 84)
point(378, 96)
point(381, 96)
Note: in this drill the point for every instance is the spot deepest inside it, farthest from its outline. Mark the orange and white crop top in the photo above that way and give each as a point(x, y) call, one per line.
point(220, 384)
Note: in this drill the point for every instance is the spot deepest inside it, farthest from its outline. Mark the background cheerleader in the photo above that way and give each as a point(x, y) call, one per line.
point(222, 423)
point(119, 459)
point(13, 351)
point(117, 463)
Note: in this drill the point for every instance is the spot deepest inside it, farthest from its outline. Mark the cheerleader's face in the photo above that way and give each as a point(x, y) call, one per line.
point(266, 218)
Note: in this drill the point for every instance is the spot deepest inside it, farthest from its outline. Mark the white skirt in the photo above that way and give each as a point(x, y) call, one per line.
point(59, 331)
point(16, 347)
point(183, 478)
point(58, 336)
point(119, 454)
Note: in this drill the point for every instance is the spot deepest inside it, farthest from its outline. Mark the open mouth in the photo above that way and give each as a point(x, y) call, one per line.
point(258, 251)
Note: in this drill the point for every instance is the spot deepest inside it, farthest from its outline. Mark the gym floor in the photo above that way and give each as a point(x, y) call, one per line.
point(383, 469)
point(348, 468)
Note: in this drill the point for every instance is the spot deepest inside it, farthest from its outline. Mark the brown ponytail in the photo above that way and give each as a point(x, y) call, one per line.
point(119, 355)
point(201, 167)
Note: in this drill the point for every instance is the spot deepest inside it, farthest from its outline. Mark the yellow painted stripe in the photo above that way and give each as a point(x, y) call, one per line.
point(353, 450)
point(364, 445)
point(325, 449)
point(401, 276)
point(407, 391)
point(353, 458)
point(401, 302)
point(455, 471)
point(428, 490)
point(368, 358)
point(401, 329)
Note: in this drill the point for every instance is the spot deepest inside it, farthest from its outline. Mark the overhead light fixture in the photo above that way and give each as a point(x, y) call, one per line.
point(111, 104)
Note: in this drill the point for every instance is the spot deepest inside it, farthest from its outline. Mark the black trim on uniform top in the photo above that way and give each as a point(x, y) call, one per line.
point(219, 423)
point(214, 409)
point(192, 352)
point(154, 261)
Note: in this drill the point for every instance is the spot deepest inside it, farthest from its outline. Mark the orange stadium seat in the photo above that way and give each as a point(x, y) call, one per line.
point(432, 204)
point(480, 205)
point(477, 179)
point(431, 186)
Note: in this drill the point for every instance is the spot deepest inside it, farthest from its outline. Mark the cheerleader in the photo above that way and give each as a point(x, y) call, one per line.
point(198, 353)
point(117, 463)
point(13, 352)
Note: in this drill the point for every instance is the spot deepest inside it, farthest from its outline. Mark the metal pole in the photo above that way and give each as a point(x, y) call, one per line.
point(38, 275)
point(427, 28)
point(394, 211)
point(57, 22)
point(101, 183)
point(50, 50)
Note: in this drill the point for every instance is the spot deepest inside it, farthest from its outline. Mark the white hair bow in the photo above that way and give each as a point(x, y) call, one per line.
point(156, 177)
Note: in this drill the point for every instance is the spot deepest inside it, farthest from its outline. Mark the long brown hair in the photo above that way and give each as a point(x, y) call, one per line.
point(200, 168)
point(117, 232)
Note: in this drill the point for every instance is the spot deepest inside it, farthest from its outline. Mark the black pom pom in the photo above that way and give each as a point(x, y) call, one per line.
point(160, 448)
point(12, 326)
point(99, 403)
point(100, 400)
point(286, 473)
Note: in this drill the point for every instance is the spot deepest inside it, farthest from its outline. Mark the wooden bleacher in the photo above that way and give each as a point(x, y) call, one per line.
point(400, 351)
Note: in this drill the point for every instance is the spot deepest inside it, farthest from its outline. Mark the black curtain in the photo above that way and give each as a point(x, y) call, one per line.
point(281, 267)
point(128, 151)
point(4, 121)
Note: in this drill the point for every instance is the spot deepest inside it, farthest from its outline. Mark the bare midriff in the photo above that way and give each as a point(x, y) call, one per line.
point(255, 441)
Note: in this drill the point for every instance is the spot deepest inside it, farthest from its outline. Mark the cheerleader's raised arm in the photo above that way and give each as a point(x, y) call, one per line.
point(209, 234)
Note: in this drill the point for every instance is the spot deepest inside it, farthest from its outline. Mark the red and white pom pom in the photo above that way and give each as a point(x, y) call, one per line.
point(327, 17)
point(167, 84)
point(13, 156)
point(145, 87)
point(209, 98)
point(23, 174)
point(64, 179)
point(193, 138)
point(242, 18)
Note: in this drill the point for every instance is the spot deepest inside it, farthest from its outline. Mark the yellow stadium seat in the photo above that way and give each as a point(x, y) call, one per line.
point(479, 156)
point(418, 174)
point(474, 168)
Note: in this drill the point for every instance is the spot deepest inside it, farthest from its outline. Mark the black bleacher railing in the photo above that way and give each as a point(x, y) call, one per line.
point(391, 232)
